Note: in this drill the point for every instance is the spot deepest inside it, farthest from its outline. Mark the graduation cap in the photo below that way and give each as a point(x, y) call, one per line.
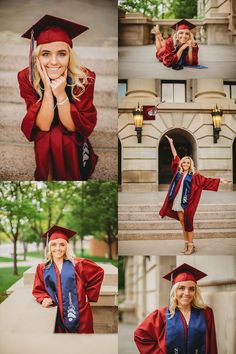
point(52, 29)
point(183, 273)
point(56, 232)
point(183, 24)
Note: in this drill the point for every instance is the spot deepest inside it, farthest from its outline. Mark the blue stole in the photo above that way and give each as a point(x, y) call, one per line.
point(70, 321)
point(182, 60)
point(186, 188)
point(176, 340)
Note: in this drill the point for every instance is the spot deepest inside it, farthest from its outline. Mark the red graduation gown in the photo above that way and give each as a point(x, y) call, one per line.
point(58, 144)
point(150, 336)
point(89, 277)
point(199, 183)
point(168, 54)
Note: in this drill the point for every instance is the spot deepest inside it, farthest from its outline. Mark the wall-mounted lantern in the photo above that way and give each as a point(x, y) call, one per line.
point(138, 122)
point(216, 120)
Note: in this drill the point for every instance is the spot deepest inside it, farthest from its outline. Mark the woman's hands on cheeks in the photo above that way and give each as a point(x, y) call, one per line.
point(47, 302)
point(57, 86)
point(44, 76)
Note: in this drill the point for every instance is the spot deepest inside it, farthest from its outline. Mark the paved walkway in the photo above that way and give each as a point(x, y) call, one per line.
point(216, 246)
point(141, 62)
point(30, 262)
point(126, 342)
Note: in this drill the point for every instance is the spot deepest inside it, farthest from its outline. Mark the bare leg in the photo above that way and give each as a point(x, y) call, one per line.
point(160, 42)
point(181, 219)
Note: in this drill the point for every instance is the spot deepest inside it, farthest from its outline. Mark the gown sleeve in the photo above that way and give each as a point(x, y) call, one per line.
point(175, 164)
point(194, 56)
point(211, 333)
point(39, 291)
point(93, 277)
point(147, 335)
point(210, 184)
point(169, 57)
point(33, 105)
point(83, 112)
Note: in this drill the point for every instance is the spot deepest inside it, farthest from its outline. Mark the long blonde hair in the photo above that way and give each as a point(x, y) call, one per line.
point(77, 73)
point(197, 300)
point(176, 41)
point(191, 169)
point(69, 255)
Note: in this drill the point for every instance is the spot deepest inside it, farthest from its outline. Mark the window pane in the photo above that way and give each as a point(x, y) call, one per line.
point(122, 88)
point(167, 92)
point(179, 92)
point(227, 91)
point(233, 91)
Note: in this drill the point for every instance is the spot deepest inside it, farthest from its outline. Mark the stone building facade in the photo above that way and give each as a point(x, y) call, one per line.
point(142, 166)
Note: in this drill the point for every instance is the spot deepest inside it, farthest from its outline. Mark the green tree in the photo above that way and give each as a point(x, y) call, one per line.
point(94, 211)
point(16, 209)
point(183, 9)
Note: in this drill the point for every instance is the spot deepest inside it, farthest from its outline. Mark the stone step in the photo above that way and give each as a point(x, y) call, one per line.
point(200, 215)
point(14, 57)
point(157, 206)
point(18, 162)
point(11, 115)
point(105, 94)
point(132, 235)
point(174, 225)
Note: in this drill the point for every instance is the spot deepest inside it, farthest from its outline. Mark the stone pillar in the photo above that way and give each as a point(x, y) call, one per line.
point(139, 167)
point(210, 89)
point(127, 308)
point(216, 8)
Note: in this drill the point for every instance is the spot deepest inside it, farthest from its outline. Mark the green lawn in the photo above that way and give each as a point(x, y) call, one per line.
point(35, 254)
point(9, 259)
point(7, 279)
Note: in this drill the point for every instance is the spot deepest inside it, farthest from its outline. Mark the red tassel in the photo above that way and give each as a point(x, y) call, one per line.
point(31, 65)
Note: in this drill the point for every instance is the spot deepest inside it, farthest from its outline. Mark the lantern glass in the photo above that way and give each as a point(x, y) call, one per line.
point(217, 120)
point(138, 119)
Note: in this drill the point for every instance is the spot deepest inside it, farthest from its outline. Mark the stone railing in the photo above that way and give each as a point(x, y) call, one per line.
point(29, 328)
point(135, 29)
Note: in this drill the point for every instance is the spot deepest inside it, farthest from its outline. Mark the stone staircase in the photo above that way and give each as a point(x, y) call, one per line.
point(17, 154)
point(142, 222)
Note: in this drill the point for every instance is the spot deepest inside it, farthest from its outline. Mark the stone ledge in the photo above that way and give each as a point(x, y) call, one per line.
point(15, 343)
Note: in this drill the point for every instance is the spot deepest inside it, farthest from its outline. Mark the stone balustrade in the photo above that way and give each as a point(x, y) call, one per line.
point(135, 29)
point(27, 327)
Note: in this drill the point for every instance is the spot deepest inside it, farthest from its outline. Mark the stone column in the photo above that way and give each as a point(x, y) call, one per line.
point(128, 306)
point(139, 167)
point(209, 89)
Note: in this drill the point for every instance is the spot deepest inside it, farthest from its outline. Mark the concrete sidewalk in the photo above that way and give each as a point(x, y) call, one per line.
point(126, 342)
point(141, 62)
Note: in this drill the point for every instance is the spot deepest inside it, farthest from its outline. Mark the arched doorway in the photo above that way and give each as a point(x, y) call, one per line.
point(234, 164)
point(184, 143)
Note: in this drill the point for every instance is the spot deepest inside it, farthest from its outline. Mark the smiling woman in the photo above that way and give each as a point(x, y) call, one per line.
point(186, 325)
point(58, 93)
point(68, 283)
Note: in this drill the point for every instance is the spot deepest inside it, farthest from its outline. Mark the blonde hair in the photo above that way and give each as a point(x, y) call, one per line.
point(69, 255)
point(191, 169)
point(77, 73)
point(176, 41)
point(197, 299)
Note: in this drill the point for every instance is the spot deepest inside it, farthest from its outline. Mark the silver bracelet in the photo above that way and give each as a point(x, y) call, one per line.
point(61, 103)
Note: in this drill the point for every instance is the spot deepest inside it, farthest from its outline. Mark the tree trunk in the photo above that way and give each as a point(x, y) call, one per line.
point(82, 245)
point(15, 271)
point(25, 249)
point(109, 246)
